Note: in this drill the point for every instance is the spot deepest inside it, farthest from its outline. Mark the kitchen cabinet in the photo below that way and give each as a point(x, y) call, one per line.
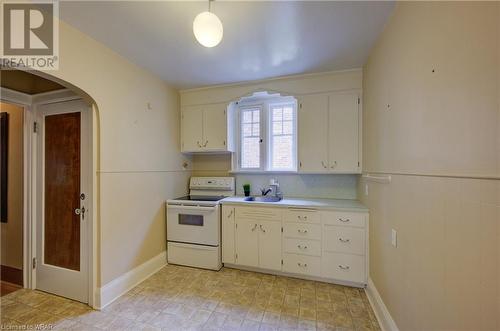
point(329, 133)
point(257, 237)
point(204, 128)
point(270, 245)
point(329, 245)
point(247, 242)
point(228, 235)
point(313, 133)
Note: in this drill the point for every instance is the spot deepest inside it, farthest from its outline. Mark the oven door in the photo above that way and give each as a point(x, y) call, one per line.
point(193, 224)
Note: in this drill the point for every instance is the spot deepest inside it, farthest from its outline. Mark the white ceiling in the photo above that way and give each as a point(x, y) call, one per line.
point(261, 39)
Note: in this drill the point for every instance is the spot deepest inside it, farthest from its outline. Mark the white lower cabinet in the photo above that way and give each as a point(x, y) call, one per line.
point(321, 244)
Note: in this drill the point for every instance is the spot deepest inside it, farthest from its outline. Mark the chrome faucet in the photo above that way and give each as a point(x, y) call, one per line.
point(274, 187)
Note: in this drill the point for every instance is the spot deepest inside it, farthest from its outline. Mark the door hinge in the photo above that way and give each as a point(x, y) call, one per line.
point(300, 164)
point(236, 225)
point(359, 101)
point(300, 105)
point(281, 229)
point(224, 143)
point(281, 262)
point(236, 256)
point(358, 163)
point(33, 263)
point(35, 127)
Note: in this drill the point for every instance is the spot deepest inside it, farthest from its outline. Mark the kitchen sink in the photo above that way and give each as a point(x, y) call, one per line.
point(263, 199)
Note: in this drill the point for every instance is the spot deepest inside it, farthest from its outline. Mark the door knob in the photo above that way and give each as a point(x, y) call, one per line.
point(80, 211)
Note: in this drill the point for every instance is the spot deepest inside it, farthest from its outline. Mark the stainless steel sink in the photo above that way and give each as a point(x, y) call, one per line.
point(263, 199)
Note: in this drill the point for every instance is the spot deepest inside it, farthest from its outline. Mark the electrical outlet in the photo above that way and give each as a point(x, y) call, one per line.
point(366, 189)
point(394, 238)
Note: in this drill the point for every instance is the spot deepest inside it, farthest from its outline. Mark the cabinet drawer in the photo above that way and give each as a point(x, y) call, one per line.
point(344, 218)
point(302, 216)
point(301, 246)
point(269, 214)
point(343, 239)
point(302, 230)
point(346, 267)
point(302, 264)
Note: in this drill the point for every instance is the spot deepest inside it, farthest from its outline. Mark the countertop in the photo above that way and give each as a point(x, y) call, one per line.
point(338, 204)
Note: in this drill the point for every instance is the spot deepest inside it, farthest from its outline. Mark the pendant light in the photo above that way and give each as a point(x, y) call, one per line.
point(207, 28)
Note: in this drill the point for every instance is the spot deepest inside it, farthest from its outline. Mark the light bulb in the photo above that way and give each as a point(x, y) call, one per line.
point(207, 29)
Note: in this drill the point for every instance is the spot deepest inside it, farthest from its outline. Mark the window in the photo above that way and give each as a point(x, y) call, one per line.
point(250, 138)
point(268, 135)
point(282, 138)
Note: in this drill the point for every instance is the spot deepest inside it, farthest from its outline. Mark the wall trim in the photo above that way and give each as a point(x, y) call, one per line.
point(121, 285)
point(422, 174)
point(266, 80)
point(384, 318)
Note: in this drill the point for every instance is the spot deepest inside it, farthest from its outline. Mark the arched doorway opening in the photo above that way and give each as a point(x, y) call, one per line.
point(59, 183)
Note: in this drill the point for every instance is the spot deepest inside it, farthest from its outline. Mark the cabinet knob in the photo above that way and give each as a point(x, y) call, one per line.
point(324, 165)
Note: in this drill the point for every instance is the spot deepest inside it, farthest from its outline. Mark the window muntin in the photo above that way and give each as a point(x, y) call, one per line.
point(250, 150)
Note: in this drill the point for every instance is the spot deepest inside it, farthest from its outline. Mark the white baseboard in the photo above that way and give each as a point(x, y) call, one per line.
point(121, 285)
point(381, 312)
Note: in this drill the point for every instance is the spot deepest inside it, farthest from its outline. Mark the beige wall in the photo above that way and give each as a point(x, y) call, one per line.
point(431, 107)
point(140, 164)
point(12, 231)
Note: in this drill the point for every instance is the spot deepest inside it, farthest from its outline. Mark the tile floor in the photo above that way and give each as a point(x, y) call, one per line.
point(181, 298)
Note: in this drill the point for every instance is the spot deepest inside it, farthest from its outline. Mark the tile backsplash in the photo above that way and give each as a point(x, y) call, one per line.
point(306, 186)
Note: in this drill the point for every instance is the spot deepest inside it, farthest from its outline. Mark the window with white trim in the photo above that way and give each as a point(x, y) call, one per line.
point(267, 135)
point(283, 137)
point(250, 138)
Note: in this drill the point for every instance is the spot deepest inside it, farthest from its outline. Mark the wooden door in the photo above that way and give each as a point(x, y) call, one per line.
point(192, 129)
point(63, 216)
point(313, 133)
point(228, 234)
point(215, 127)
point(62, 190)
point(344, 133)
point(247, 249)
point(270, 245)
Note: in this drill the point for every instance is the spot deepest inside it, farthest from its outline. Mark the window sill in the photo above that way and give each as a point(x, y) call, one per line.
point(263, 172)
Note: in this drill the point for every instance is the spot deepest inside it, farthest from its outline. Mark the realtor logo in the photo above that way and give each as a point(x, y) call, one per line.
point(30, 35)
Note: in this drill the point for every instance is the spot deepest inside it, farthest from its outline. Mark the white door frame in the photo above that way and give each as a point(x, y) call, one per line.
point(30, 103)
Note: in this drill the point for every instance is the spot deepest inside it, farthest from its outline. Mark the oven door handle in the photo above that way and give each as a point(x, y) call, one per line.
point(195, 207)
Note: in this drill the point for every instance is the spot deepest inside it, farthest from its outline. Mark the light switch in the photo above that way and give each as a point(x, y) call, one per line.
point(394, 238)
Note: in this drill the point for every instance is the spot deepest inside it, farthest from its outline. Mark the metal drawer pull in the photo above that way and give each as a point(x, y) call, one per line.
point(205, 144)
point(262, 229)
point(199, 145)
point(302, 264)
point(344, 240)
point(301, 231)
point(254, 227)
point(344, 267)
point(230, 213)
point(344, 220)
point(301, 247)
point(324, 165)
point(302, 218)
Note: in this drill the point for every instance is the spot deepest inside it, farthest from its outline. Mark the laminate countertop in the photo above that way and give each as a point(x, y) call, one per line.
point(335, 204)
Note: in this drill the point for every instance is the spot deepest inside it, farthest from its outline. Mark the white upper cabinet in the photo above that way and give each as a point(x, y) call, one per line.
point(329, 133)
point(205, 129)
point(313, 133)
point(343, 137)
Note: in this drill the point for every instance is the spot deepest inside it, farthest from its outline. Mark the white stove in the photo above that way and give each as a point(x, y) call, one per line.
point(194, 223)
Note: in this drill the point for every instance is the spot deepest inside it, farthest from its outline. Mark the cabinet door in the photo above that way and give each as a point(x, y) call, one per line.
point(191, 129)
point(228, 234)
point(247, 242)
point(214, 127)
point(344, 133)
point(313, 133)
point(270, 245)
